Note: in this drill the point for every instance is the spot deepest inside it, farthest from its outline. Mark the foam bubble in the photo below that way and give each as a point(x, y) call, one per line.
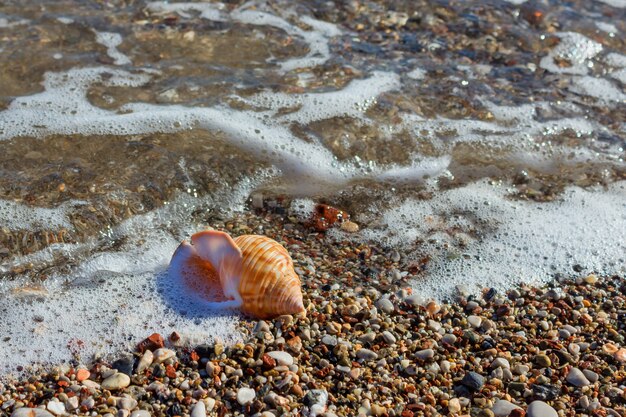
point(112, 41)
point(574, 48)
point(480, 238)
point(16, 216)
point(599, 88)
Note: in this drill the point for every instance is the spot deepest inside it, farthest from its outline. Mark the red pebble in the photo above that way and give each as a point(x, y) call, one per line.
point(152, 342)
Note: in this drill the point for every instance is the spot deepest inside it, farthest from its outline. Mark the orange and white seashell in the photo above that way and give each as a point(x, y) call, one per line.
point(251, 272)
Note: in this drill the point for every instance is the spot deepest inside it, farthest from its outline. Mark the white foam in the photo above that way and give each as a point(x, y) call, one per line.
point(599, 88)
point(17, 216)
point(112, 41)
point(576, 49)
point(505, 241)
point(302, 208)
point(351, 101)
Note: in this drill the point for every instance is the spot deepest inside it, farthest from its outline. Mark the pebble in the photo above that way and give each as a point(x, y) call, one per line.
point(116, 381)
point(163, 354)
point(127, 403)
point(449, 339)
point(245, 396)
point(140, 413)
point(543, 361)
point(388, 337)
point(281, 358)
point(425, 354)
point(198, 410)
point(502, 408)
point(146, 360)
point(385, 305)
point(331, 340)
point(500, 363)
point(577, 378)
point(366, 354)
point(473, 381)
point(414, 300)
point(540, 409)
point(454, 405)
point(590, 375)
point(474, 321)
point(56, 407)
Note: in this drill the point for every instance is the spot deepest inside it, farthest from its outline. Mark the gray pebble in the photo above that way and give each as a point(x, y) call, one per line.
point(540, 409)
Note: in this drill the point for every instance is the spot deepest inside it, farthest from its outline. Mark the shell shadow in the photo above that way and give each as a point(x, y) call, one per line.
point(196, 301)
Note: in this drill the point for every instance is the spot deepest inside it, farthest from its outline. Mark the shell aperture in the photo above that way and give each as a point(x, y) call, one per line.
point(255, 273)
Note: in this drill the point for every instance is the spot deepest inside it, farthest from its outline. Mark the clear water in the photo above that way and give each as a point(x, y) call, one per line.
point(488, 137)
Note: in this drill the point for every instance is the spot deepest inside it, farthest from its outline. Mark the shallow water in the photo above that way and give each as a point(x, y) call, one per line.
point(486, 137)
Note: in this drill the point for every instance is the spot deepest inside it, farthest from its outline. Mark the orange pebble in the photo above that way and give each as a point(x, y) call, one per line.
point(82, 374)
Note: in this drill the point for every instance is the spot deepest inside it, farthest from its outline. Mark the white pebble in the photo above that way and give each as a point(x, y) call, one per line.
point(245, 396)
point(281, 358)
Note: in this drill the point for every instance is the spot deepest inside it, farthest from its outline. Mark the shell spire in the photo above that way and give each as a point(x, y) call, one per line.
point(255, 272)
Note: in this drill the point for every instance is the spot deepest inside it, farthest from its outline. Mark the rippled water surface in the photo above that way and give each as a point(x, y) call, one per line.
point(483, 140)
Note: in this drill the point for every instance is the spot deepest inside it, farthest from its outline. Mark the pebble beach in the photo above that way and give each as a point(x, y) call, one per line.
point(368, 345)
point(448, 177)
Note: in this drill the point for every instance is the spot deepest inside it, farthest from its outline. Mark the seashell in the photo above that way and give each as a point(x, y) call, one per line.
point(251, 272)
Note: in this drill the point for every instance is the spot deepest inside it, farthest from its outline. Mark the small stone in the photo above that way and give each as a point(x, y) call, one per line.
point(591, 376)
point(124, 365)
point(329, 340)
point(210, 404)
point(388, 337)
point(434, 325)
point(577, 378)
point(163, 354)
point(146, 360)
point(212, 369)
point(385, 305)
point(153, 342)
point(198, 410)
point(425, 354)
point(454, 405)
point(82, 374)
point(31, 412)
point(140, 413)
point(245, 396)
point(282, 358)
point(543, 361)
point(473, 381)
point(116, 381)
point(449, 339)
point(127, 403)
point(414, 300)
point(540, 409)
point(500, 363)
point(366, 354)
point(503, 408)
point(474, 321)
point(71, 403)
point(520, 369)
point(377, 410)
point(56, 407)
